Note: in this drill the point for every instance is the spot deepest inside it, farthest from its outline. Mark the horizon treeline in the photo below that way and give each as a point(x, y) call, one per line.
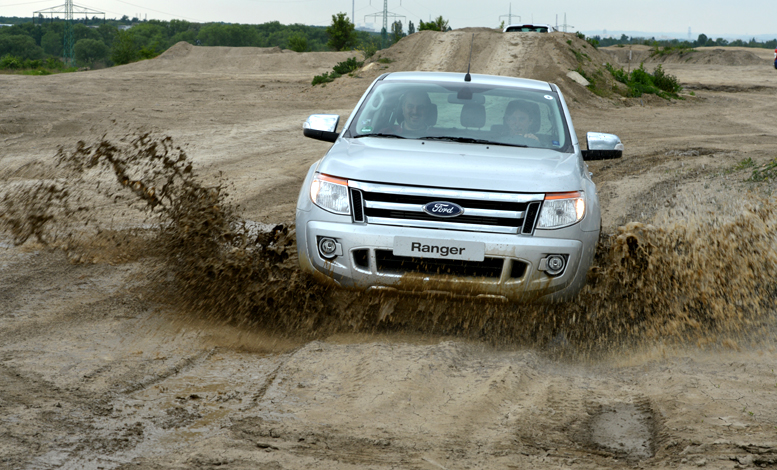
point(701, 41)
point(101, 43)
point(29, 44)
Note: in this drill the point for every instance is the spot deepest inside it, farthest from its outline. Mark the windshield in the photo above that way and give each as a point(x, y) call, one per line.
point(463, 112)
point(527, 29)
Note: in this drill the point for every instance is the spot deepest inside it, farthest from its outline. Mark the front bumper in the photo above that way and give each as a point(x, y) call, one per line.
point(514, 267)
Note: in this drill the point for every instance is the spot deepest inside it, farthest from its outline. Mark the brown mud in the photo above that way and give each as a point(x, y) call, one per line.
point(701, 280)
point(152, 314)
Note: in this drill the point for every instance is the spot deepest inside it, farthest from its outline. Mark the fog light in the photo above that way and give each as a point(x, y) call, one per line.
point(555, 264)
point(327, 247)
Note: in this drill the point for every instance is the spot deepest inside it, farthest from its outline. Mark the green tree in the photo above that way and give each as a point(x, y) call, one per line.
point(232, 35)
point(298, 42)
point(52, 44)
point(124, 48)
point(177, 27)
point(397, 32)
point(22, 47)
point(90, 50)
point(342, 33)
point(82, 32)
point(702, 40)
point(107, 33)
point(438, 24)
point(410, 28)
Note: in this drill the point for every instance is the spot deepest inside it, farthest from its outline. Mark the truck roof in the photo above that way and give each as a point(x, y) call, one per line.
point(450, 77)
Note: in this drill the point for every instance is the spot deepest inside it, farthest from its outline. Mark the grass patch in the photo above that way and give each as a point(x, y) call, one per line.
point(741, 165)
point(385, 60)
point(597, 82)
point(766, 172)
point(578, 55)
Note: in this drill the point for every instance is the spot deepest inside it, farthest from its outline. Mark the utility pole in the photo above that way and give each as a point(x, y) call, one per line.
point(509, 16)
point(565, 25)
point(68, 52)
point(385, 14)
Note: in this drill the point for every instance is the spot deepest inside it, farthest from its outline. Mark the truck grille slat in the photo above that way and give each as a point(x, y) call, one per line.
point(482, 211)
point(358, 205)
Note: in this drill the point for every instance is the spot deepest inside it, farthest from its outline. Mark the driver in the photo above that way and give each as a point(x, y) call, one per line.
point(520, 118)
point(415, 110)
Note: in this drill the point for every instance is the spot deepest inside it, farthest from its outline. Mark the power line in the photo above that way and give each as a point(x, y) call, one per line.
point(386, 14)
point(510, 16)
point(157, 11)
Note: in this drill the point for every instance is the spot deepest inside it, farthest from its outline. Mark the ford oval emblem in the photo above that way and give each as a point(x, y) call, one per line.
point(443, 209)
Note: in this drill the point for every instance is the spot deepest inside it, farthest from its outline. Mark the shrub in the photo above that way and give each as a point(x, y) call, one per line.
point(325, 78)
point(368, 48)
point(640, 82)
point(347, 66)
point(665, 81)
point(10, 62)
point(32, 64)
point(54, 63)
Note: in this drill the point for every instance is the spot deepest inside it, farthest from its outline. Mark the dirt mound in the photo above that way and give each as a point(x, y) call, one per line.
point(547, 57)
point(703, 55)
point(185, 58)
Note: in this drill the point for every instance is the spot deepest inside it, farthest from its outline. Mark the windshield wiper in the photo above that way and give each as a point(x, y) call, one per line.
point(470, 140)
point(378, 134)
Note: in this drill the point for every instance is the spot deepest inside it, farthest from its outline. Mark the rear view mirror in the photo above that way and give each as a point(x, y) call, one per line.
point(321, 127)
point(602, 147)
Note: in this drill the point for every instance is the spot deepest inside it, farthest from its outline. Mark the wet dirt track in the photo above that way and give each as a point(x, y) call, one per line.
point(103, 366)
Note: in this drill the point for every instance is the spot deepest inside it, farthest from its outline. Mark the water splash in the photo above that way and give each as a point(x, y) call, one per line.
point(702, 280)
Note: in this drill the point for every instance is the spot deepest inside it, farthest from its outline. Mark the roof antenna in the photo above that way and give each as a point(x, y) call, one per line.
point(468, 77)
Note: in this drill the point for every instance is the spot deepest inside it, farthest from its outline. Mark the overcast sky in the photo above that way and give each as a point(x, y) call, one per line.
point(711, 17)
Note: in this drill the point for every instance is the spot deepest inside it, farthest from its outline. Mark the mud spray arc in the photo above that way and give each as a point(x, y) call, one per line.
point(705, 280)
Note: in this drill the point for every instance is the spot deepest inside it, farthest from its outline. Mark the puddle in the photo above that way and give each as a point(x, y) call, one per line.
point(624, 429)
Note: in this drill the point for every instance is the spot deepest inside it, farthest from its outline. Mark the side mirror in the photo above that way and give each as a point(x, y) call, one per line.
point(321, 127)
point(602, 146)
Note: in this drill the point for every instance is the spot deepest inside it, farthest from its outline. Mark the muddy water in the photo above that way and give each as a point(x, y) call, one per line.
point(704, 280)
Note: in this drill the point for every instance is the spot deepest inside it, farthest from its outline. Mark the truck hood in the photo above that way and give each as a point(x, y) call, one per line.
point(453, 165)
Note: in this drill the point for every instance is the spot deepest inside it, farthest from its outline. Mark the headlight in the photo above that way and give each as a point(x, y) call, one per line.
point(330, 193)
point(561, 209)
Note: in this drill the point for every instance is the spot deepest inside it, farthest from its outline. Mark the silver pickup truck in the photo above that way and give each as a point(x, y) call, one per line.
point(466, 185)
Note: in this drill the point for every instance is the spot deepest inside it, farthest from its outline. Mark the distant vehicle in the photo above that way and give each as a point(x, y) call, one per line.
point(529, 28)
point(439, 183)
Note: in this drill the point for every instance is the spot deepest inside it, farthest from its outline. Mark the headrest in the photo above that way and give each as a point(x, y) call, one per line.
point(473, 115)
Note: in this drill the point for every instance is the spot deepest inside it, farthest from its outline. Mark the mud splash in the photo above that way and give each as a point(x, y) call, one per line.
point(706, 280)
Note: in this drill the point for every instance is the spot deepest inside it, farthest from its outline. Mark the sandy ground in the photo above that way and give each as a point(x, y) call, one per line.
point(98, 373)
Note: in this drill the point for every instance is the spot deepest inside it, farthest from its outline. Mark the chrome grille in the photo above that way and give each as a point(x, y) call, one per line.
point(484, 211)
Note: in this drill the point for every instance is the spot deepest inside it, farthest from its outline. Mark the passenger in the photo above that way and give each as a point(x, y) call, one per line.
point(522, 119)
